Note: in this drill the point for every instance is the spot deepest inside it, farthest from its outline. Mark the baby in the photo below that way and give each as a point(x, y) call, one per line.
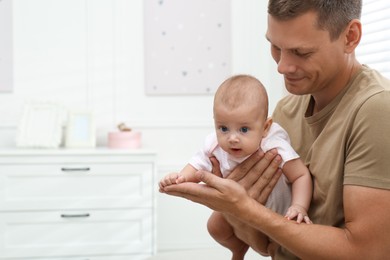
point(242, 127)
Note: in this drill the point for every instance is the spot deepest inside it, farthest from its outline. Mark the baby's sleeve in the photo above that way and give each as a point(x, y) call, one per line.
point(278, 138)
point(200, 160)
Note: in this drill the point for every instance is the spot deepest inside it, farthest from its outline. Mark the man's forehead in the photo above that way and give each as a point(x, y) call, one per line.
point(295, 38)
point(292, 46)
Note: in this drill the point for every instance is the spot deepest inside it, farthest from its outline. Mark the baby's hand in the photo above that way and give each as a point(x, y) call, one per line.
point(170, 179)
point(298, 212)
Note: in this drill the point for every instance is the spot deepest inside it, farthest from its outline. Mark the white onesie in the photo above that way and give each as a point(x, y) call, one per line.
point(280, 198)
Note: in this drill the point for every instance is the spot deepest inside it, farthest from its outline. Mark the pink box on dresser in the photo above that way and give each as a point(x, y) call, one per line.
point(124, 139)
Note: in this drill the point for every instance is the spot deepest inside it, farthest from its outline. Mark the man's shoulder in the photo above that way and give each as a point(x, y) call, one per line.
point(371, 79)
point(290, 106)
point(369, 87)
point(291, 100)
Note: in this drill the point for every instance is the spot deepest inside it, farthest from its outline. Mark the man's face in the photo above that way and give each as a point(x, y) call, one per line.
point(309, 61)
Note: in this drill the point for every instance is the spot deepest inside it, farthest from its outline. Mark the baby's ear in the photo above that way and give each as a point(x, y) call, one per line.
point(267, 126)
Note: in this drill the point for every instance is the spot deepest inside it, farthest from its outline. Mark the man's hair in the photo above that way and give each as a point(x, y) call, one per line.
point(333, 15)
point(242, 90)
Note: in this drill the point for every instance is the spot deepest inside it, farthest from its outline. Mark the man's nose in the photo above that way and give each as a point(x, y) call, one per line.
point(285, 64)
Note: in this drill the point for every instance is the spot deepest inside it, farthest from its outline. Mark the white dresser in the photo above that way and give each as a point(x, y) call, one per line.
point(84, 204)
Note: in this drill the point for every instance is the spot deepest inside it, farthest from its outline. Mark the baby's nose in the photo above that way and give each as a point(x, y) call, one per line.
point(233, 138)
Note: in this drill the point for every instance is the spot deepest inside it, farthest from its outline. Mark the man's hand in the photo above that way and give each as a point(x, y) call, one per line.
point(258, 174)
point(216, 193)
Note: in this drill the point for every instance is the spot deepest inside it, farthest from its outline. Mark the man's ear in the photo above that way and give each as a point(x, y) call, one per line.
point(353, 34)
point(267, 126)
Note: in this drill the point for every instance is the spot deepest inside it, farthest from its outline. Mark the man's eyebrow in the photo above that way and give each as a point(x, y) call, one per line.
point(300, 48)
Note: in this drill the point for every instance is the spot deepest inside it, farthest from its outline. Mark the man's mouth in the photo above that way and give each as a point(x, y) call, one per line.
point(292, 79)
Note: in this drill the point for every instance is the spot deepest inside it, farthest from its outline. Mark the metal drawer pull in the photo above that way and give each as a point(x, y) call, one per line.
point(86, 215)
point(85, 169)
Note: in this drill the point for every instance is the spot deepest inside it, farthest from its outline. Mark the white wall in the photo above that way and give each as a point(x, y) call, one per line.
point(89, 55)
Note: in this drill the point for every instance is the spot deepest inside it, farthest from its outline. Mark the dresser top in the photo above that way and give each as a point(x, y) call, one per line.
point(74, 151)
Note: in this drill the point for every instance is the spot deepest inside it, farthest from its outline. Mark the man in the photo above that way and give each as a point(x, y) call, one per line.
point(337, 120)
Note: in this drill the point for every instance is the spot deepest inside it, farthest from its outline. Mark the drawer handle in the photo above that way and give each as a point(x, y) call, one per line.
point(86, 215)
point(85, 169)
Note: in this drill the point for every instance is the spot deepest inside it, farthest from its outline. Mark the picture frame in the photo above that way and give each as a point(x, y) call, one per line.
point(80, 130)
point(187, 52)
point(40, 125)
point(6, 47)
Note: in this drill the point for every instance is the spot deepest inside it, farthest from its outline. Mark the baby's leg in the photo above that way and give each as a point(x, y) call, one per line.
point(223, 233)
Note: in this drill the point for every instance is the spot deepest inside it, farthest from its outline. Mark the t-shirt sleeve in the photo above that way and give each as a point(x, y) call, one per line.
point(368, 148)
point(200, 160)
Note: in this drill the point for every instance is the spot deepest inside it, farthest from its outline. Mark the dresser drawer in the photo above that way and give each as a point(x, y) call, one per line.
point(75, 186)
point(76, 233)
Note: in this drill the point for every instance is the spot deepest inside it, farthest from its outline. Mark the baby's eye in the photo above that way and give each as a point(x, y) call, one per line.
point(223, 129)
point(244, 129)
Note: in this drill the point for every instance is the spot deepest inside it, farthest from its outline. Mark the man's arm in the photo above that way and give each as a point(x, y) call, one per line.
point(365, 235)
point(258, 174)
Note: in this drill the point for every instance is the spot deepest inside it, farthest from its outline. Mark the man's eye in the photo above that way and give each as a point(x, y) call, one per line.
point(275, 48)
point(302, 54)
point(244, 129)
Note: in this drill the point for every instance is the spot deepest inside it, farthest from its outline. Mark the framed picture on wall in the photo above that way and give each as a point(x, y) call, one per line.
point(80, 130)
point(187, 52)
point(6, 56)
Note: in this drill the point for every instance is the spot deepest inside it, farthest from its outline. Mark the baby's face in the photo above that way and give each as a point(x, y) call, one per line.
point(239, 131)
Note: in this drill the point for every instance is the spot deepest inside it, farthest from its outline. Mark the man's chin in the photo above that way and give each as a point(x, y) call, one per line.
point(294, 89)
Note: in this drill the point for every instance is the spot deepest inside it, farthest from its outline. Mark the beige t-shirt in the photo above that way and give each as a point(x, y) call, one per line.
point(347, 142)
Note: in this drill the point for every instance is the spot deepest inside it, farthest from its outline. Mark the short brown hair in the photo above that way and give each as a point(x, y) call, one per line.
point(333, 15)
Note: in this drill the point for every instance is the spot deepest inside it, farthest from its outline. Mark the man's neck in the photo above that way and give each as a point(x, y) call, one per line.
point(324, 98)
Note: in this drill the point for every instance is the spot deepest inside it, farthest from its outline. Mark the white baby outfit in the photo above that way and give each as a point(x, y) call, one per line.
point(280, 198)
